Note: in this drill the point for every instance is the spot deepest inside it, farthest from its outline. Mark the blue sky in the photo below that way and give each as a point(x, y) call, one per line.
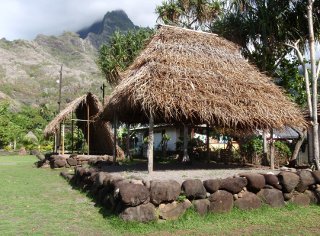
point(24, 19)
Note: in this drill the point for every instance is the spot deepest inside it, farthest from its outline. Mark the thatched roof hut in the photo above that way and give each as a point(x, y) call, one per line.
point(100, 139)
point(194, 77)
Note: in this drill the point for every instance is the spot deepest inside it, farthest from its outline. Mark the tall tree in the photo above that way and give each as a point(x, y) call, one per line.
point(191, 14)
point(120, 52)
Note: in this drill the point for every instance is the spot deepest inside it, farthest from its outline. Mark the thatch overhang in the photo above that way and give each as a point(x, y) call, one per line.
point(101, 136)
point(78, 106)
point(185, 76)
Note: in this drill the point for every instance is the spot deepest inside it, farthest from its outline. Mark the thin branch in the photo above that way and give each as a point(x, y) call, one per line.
point(318, 70)
point(305, 73)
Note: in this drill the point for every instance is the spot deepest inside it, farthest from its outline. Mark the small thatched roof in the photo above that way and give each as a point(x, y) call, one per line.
point(196, 77)
point(87, 99)
point(101, 136)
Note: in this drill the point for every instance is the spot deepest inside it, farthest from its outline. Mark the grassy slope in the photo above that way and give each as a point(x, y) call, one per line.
point(38, 201)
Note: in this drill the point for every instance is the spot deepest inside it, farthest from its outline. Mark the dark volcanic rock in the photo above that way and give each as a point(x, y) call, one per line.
point(300, 199)
point(142, 213)
point(272, 180)
point(133, 194)
point(288, 180)
point(201, 206)
point(72, 162)
point(248, 201)
point(221, 201)
point(316, 176)
point(306, 179)
point(233, 185)
point(194, 189)
point(174, 210)
point(164, 191)
point(255, 181)
point(272, 197)
point(212, 185)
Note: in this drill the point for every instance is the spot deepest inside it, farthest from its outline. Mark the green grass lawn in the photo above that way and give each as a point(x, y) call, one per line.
point(39, 202)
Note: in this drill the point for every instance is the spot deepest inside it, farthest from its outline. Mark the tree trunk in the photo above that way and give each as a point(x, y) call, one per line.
point(302, 136)
point(185, 144)
point(150, 145)
point(314, 85)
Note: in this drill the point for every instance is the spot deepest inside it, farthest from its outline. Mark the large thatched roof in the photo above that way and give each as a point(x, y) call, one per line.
point(101, 137)
point(195, 77)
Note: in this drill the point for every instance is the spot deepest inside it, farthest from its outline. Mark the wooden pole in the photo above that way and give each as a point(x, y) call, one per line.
point(62, 139)
point(88, 128)
point(114, 138)
point(208, 143)
point(185, 144)
point(150, 145)
point(271, 150)
point(55, 143)
point(72, 135)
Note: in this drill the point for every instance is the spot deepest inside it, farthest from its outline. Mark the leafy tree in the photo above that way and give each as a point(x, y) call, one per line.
point(121, 51)
point(191, 14)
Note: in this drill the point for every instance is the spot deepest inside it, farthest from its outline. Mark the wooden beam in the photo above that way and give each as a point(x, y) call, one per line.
point(114, 138)
point(271, 150)
point(88, 127)
point(208, 143)
point(150, 145)
point(62, 139)
point(72, 135)
point(185, 144)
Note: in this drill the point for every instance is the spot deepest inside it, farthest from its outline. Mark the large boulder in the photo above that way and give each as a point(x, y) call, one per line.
point(272, 180)
point(194, 189)
point(141, 213)
point(174, 210)
point(201, 206)
point(212, 185)
point(288, 180)
point(300, 199)
point(100, 177)
point(72, 161)
point(164, 191)
point(272, 197)
point(59, 163)
point(316, 176)
point(313, 196)
point(221, 201)
point(233, 185)
point(248, 201)
point(255, 181)
point(306, 179)
point(133, 194)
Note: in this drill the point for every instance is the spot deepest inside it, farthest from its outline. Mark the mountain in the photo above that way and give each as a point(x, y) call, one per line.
point(99, 32)
point(29, 70)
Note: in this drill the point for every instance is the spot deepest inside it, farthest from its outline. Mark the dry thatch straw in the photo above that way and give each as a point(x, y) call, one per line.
point(195, 77)
point(101, 138)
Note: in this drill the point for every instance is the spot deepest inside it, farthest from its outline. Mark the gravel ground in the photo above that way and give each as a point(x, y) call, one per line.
point(181, 172)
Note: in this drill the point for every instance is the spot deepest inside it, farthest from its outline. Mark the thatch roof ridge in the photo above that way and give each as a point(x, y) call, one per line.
point(53, 126)
point(191, 77)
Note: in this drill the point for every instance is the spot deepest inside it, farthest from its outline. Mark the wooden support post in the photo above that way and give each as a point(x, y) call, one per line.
point(62, 139)
point(114, 138)
point(265, 144)
point(88, 128)
point(271, 150)
point(150, 145)
point(72, 135)
point(128, 143)
point(185, 144)
point(208, 143)
point(55, 143)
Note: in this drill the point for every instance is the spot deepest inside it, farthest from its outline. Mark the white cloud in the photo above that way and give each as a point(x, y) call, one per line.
point(25, 19)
